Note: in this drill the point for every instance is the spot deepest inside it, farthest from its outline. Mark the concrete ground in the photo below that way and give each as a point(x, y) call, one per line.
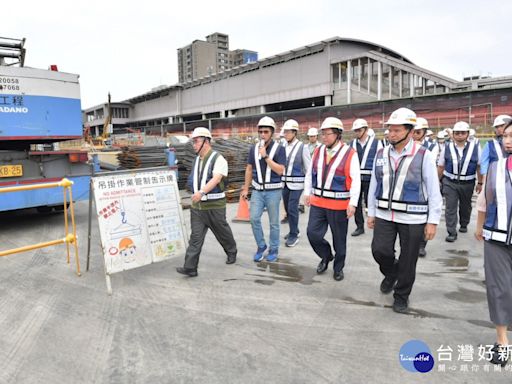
point(242, 323)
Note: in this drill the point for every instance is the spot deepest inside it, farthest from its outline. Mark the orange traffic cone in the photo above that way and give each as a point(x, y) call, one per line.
point(242, 215)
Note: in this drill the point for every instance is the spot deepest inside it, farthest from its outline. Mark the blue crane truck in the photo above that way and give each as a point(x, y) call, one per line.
point(39, 111)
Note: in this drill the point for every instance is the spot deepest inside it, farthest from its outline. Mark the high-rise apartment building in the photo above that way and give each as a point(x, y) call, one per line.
point(204, 58)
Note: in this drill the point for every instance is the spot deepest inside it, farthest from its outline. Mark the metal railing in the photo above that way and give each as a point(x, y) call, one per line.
point(70, 238)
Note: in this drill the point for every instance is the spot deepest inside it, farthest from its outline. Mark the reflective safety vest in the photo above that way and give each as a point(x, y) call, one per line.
point(401, 190)
point(495, 150)
point(294, 176)
point(430, 145)
point(263, 178)
point(198, 178)
point(498, 195)
point(312, 147)
point(460, 169)
point(367, 156)
point(331, 180)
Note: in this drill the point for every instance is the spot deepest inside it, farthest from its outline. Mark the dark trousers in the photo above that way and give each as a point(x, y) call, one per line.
point(359, 216)
point(200, 222)
point(458, 196)
point(383, 249)
point(319, 220)
point(291, 206)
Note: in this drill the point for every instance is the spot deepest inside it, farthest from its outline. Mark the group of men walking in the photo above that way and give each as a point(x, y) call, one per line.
point(397, 180)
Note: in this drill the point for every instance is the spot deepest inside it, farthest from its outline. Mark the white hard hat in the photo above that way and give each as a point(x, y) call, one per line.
point(429, 132)
point(267, 121)
point(332, 122)
point(441, 135)
point(201, 132)
point(312, 132)
point(461, 126)
point(281, 133)
point(386, 132)
point(358, 124)
point(501, 120)
point(421, 123)
point(371, 132)
point(291, 124)
point(472, 132)
point(402, 116)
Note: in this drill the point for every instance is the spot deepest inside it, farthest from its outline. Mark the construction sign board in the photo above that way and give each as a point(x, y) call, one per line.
point(140, 217)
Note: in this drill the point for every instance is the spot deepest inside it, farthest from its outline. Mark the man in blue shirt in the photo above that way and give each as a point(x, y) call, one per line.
point(265, 166)
point(493, 149)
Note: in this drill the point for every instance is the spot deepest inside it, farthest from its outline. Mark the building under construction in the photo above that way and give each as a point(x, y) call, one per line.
point(340, 77)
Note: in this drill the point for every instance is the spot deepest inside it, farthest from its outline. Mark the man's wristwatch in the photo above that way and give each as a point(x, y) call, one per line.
point(202, 193)
point(265, 157)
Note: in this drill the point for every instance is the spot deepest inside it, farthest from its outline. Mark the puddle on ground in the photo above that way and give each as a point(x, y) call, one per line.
point(285, 270)
point(464, 295)
point(457, 263)
point(461, 252)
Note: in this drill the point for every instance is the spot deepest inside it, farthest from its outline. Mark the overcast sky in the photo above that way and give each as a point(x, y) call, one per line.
point(128, 47)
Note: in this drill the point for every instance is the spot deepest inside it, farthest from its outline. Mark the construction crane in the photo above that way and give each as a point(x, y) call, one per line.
point(107, 125)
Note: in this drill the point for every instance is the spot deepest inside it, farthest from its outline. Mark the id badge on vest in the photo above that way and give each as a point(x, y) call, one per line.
point(382, 162)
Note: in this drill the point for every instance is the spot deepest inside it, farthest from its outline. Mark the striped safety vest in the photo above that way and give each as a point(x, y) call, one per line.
point(495, 150)
point(430, 145)
point(294, 176)
point(460, 169)
point(401, 190)
point(200, 177)
point(263, 178)
point(498, 195)
point(368, 157)
point(331, 180)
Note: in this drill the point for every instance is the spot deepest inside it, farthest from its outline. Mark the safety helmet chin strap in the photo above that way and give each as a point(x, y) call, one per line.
point(401, 140)
point(294, 136)
point(201, 147)
point(338, 139)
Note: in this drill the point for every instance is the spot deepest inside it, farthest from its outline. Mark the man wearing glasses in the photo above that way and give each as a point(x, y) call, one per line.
point(265, 166)
point(458, 169)
point(331, 188)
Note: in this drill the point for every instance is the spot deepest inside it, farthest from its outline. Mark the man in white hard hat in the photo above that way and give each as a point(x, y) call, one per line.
point(403, 200)
point(366, 147)
point(313, 140)
point(419, 134)
point(449, 134)
point(265, 166)
point(331, 189)
point(458, 169)
point(440, 140)
point(429, 135)
point(493, 149)
point(385, 140)
point(297, 163)
point(472, 136)
point(208, 209)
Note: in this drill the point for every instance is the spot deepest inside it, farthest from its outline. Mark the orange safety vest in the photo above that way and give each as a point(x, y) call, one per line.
point(343, 170)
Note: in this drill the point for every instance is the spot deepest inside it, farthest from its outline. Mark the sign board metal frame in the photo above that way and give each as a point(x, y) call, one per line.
point(140, 218)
